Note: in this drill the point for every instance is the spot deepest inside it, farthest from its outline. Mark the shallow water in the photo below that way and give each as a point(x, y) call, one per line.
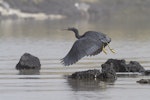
point(45, 40)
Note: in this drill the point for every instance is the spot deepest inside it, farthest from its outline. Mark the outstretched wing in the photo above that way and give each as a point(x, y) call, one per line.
point(96, 52)
point(82, 47)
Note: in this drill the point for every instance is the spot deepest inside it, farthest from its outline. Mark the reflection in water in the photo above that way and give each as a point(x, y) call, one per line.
point(25, 77)
point(87, 85)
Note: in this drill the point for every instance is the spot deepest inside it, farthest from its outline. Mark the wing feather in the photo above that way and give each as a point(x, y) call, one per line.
point(82, 47)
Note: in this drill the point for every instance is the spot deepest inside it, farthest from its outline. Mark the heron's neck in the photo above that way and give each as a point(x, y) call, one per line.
point(77, 34)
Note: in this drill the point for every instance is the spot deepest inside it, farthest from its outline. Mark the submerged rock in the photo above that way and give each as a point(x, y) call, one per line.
point(121, 66)
point(28, 61)
point(144, 81)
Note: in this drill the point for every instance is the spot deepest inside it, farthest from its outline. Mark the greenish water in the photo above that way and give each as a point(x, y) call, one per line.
point(46, 40)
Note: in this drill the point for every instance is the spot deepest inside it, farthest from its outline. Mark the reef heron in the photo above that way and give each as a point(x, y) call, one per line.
point(89, 44)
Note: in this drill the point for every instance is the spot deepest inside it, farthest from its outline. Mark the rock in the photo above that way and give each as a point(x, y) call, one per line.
point(121, 66)
point(28, 61)
point(118, 65)
point(29, 72)
point(109, 69)
point(89, 74)
point(144, 81)
point(147, 72)
point(108, 73)
point(135, 66)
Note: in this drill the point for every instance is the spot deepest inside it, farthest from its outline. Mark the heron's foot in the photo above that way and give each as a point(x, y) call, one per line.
point(104, 50)
point(112, 50)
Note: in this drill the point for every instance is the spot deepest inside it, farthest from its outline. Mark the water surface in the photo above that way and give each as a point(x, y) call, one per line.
point(46, 40)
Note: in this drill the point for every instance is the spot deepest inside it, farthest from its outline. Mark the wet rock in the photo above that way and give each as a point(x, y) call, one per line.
point(29, 72)
point(135, 66)
point(121, 66)
point(118, 65)
point(28, 61)
point(108, 73)
point(144, 81)
point(147, 72)
point(89, 74)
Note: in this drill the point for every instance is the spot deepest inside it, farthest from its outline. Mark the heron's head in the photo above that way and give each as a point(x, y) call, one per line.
point(75, 31)
point(71, 29)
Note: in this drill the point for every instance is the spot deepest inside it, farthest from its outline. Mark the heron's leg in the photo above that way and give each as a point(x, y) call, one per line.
point(112, 50)
point(104, 50)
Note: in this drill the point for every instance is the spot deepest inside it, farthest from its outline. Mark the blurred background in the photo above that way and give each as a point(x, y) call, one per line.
point(118, 12)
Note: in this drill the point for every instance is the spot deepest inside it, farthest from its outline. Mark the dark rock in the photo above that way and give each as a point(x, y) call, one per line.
point(108, 73)
point(135, 66)
point(121, 66)
point(109, 69)
point(118, 65)
point(144, 81)
point(147, 72)
point(89, 74)
point(29, 72)
point(28, 61)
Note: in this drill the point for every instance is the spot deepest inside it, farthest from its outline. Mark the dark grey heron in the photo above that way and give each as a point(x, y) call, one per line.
point(89, 44)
